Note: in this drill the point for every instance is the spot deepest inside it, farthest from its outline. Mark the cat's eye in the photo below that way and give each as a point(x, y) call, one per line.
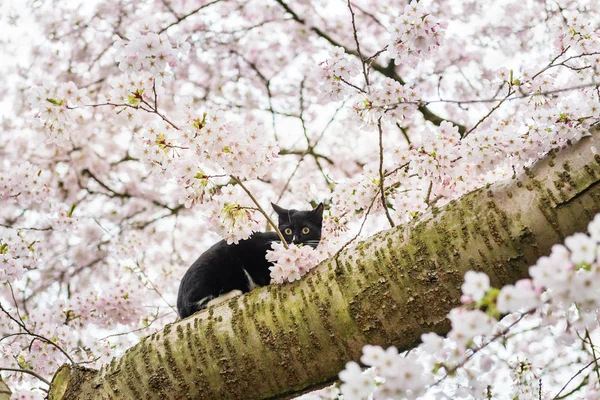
point(288, 231)
point(305, 230)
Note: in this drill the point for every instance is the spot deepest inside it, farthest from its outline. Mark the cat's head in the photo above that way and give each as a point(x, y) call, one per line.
point(300, 226)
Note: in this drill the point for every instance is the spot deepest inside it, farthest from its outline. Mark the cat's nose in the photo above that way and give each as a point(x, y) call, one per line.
point(295, 240)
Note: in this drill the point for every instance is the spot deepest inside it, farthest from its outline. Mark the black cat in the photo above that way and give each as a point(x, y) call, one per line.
point(232, 269)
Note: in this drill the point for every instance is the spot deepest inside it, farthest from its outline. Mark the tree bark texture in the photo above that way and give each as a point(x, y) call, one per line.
point(5, 391)
point(385, 290)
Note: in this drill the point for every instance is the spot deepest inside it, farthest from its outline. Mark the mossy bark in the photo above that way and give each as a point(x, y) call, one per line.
point(5, 391)
point(386, 290)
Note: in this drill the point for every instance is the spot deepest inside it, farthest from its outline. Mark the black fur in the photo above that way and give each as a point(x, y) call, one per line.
point(220, 269)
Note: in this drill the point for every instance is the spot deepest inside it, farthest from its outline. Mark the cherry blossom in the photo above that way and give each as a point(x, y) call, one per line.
point(583, 248)
point(336, 73)
point(136, 136)
point(476, 285)
point(356, 384)
point(292, 263)
point(417, 33)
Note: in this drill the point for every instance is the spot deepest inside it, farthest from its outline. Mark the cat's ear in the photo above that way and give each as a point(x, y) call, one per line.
point(280, 211)
point(317, 212)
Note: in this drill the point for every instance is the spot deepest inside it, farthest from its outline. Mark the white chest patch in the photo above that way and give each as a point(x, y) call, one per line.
point(251, 283)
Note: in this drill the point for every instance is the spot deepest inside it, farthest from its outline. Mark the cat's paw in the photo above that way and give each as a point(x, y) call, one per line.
point(224, 297)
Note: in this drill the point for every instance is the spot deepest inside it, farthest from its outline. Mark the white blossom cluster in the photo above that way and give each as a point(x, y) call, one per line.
point(336, 74)
point(292, 263)
point(393, 376)
point(149, 52)
point(577, 33)
point(16, 253)
point(435, 156)
point(232, 215)
point(57, 108)
point(208, 151)
point(26, 184)
point(235, 149)
point(417, 34)
point(62, 218)
point(388, 101)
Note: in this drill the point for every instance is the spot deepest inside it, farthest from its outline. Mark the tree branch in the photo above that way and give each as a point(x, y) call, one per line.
point(386, 290)
point(26, 371)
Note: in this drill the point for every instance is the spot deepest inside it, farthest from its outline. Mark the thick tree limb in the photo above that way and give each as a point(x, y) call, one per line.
point(5, 391)
point(387, 290)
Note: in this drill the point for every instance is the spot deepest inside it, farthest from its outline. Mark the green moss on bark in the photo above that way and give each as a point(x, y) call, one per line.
point(386, 290)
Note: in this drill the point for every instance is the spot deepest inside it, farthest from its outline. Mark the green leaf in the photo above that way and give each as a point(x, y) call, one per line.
point(133, 100)
point(135, 97)
point(161, 141)
point(56, 102)
point(200, 123)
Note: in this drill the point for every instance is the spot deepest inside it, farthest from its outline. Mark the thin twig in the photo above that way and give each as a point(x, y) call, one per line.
point(154, 287)
point(497, 106)
point(429, 192)
point(573, 377)
point(362, 59)
point(156, 318)
point(179, 19)
point(260, 209)
point(337, 254)
point(500, 334)
point(26, 371)
point(35, 335)
point(12, 293)
point(155, 111)
point(351, 84)
point(597, 369)
point(26, 228)
point(490, 100)
point(382, 176)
